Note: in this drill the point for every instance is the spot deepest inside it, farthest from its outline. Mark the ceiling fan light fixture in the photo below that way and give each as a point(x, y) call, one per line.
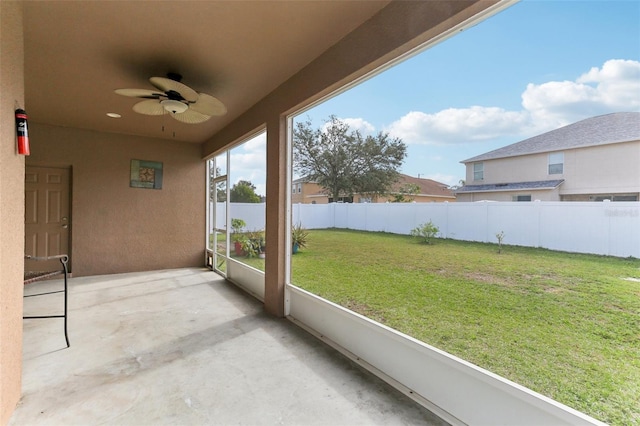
point(174, 106)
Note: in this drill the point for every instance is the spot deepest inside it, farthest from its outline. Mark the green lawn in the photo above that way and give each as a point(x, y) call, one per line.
point(565, 325)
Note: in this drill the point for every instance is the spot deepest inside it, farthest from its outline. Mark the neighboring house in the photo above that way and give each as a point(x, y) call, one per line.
point(428, 191)
point(592, 160)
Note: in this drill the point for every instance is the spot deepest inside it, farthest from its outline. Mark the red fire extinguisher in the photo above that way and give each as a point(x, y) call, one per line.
point(22, 132)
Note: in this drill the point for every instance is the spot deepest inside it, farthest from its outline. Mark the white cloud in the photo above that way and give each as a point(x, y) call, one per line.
point(248, 162)
point(258, 142)
point(617, 84)
point(612, 88)
point(443, 178)
point(360, 124)
point(457, 125)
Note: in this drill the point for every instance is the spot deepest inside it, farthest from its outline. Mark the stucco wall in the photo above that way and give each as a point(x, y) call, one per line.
point(590, 170)
point(602, 169)
point(312, 193)
point(11, 208)
point(515, 169)
point(116, 228)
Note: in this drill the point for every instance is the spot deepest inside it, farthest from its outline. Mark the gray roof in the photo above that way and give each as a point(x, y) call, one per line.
point(600, 130)
point(514, 186)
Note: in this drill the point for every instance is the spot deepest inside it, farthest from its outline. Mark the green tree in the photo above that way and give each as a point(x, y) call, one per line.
point(460, 184)
point(406, 194)
point(343, 161)
point(219, 189)
point(244, 192)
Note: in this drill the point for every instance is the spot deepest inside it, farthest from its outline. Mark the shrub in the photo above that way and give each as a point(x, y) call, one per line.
point(425, 232)
point(299, 236)
point(237, 225)
point(254, 243)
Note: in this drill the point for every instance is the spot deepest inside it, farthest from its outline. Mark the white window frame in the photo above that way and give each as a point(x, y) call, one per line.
point(555, 161)
point(223, 177)
point(517, 197)
point(478, 170)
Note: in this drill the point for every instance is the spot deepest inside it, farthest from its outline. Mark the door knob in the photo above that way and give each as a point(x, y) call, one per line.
point(65, 226)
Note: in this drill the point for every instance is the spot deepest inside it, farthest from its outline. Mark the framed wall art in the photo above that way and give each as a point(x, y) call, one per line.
point(146, 174)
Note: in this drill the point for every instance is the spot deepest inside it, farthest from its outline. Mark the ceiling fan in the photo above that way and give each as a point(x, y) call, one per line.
point(179, 100)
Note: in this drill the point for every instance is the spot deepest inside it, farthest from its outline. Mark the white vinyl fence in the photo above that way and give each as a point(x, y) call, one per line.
point(607, 228)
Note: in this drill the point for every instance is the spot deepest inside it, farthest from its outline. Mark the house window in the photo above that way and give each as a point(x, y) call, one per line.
point(293, 189)
point(521, 198)
point(341, 200)
point(299, 188)
point(556, 163)
point(478, 171)
point(625, 198)
point(613, 198)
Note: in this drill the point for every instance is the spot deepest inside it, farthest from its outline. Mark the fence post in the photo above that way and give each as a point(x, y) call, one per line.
point(446, 219)
point(538, 210)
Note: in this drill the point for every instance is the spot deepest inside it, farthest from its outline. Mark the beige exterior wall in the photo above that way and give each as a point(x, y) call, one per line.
point(310, 192)
point(605, 169)
point(116, 228)
point(11, 208)
point(307, 193)
point(515, 169)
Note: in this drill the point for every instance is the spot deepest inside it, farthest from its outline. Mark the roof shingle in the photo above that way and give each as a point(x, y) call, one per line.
point(600, 130)
point(427, 186)
point(513, 186)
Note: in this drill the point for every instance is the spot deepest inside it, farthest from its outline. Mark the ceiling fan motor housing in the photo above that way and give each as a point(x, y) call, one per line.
point(173, 95)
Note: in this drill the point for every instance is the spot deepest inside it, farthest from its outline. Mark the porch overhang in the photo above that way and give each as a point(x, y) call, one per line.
point(541, 185)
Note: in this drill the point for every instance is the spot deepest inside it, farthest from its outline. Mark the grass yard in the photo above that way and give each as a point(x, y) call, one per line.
point(565, 325)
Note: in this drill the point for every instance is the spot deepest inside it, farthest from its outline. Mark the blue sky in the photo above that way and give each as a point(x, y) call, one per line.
point(533, 67)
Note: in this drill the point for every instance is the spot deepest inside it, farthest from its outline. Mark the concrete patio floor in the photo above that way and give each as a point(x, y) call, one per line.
point(185, 347)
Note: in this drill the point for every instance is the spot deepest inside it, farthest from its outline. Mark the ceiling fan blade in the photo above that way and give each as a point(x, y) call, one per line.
point(208, 105)
point(166, 85)
point(140, 93)
point(150, 107)
point(190, 117)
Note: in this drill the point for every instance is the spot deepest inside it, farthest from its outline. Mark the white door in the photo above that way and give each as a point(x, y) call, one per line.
point(46, 216)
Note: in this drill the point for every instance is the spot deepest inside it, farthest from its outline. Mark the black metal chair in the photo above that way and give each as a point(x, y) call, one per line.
point(31, 277)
